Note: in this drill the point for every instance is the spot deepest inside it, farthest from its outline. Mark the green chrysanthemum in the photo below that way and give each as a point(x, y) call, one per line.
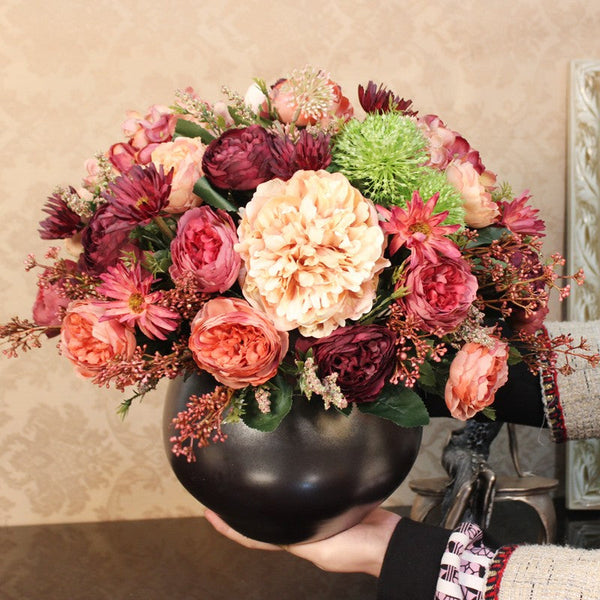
point(432, 181)
point(382, 156)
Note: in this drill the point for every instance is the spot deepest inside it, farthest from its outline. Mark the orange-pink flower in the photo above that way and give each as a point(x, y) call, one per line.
point(236, 344)
point(480, 209)
point(89, 342)
point(476, 373)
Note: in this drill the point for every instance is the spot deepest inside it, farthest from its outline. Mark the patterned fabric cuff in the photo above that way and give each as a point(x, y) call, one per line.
point(464, 565)
point(552, 406)
point(496, 570)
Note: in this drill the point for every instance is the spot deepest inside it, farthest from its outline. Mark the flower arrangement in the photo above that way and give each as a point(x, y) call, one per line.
point(283, 245)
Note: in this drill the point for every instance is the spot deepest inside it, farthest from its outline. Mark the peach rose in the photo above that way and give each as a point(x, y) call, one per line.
point(236, 344)
point(313, 250)
point(90, 343)
point(476, 374)
point(184, 155)
point(480, 209)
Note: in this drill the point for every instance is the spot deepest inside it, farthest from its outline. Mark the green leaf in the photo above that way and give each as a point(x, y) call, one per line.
point(185, 128)
point(514, 356)
point(281, 403)
point(487, 235)
point(399, 404)
point(203, 189)
point(490, 413)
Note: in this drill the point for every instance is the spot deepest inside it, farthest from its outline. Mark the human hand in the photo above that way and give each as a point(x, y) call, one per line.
point(360, 549)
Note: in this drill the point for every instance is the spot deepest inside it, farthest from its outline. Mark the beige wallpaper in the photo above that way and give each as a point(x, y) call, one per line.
point(495, 71)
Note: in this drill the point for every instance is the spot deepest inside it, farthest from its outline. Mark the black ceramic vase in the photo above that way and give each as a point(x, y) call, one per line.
point(317, 474)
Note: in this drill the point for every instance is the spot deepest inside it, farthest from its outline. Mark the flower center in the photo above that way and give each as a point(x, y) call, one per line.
point(141, 201)
point(420, 228)
point(136, 302)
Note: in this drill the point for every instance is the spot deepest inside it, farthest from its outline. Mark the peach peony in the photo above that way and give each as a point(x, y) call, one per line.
point(313, 250)
point(90, 343)
point(184, 155)
point(236, 344)
point(480, 209)
point(476, 374)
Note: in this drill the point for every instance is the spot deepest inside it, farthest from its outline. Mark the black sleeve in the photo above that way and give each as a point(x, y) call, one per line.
point(518, 401)
point(411, 566)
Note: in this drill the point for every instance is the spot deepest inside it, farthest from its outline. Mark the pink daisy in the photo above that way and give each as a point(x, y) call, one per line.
point(134, 303)
point(521, 218)
point(417, 228)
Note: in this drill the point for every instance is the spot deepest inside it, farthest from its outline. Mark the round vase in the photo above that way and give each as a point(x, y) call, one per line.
point(319, 473)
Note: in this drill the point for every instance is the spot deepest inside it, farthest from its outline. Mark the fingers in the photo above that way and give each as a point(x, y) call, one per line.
point(233, 535)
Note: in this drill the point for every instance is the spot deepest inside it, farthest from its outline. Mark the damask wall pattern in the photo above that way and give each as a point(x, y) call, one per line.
point(495, 71)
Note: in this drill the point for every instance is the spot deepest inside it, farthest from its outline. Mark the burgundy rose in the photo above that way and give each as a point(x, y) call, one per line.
point(309, 153)
point(204, 247)
point(103, 241)
point(528, 323)
point(439, 294)
point(239, 159)
point(363, 356)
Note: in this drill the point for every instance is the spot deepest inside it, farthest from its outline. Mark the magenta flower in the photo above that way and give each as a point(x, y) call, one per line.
point(133, 303)
point(138, 196)
point(61, 222)
point(521, 218)
point(417, 228)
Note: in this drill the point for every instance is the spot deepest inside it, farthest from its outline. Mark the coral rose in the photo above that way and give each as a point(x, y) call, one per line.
point(439, 294)
point(204, 247)
point(237, 345)
point(480, 209)
point(89, 342)
point(184, 156)
point(476, 373)
point(313, 250)
point(363, 356)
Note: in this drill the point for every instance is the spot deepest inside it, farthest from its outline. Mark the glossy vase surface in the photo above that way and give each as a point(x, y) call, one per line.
point(317, 474)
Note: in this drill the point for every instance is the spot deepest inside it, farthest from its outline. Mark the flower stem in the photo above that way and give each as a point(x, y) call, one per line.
point(162, 225)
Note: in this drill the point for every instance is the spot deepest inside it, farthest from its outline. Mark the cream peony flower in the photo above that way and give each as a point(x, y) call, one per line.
point(312, 250)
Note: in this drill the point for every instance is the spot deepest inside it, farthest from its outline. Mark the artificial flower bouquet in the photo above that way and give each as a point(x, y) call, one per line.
point(285, 246)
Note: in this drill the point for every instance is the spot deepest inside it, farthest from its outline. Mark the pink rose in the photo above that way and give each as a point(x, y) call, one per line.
point(476, 373)
point(236, 344)
point(480, 209)
point(439, 294)
point(204, 247)
point(156, 126)
point(50, 301)
point(184, 156)
point(89, 342)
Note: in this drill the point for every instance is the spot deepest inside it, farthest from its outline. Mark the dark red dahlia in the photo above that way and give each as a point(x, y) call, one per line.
point(239, 159)
point(375, 99)
point(309, 153)
point(62, 222)
point(139, 195)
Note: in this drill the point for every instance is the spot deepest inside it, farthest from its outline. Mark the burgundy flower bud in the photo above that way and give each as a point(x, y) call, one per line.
point(239, 159)
point(375, 99)
point(62, 222)
point(363, 356)
point(309, 153)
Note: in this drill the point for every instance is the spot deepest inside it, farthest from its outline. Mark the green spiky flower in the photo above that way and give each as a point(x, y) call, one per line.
point(385, 157)
point(429, 182)
point(382, 156)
